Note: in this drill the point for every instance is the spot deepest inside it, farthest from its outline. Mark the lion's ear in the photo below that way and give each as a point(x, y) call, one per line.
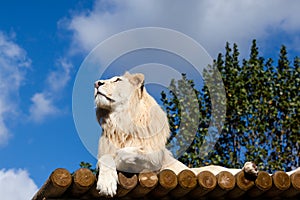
point(137, 80)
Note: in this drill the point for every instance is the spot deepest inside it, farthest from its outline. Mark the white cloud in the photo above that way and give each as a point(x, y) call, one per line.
point(16, 185)
point(211, 23)
point(13, 66)
point(42, 107)
point(59, 78)
point(43, 103)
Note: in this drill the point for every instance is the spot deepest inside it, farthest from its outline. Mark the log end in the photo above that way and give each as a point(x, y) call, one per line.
point(263, 181)
point(56, 185)
point(127, 182)
point(187, 179)
point(167, 179)
point(61, 178)
point(226, 180)
point(207, 180)
point(295, 180)
point(148, 179)
point(84, 178)
point(281, 180)
point(243, 182)
point(146, 182)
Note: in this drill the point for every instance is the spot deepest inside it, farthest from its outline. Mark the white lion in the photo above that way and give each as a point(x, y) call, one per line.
point(135, 131)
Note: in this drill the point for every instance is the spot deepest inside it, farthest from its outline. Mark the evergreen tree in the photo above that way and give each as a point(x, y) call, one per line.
point(262, 112)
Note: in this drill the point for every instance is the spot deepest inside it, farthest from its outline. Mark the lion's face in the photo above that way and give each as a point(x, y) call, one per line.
point(117, 90)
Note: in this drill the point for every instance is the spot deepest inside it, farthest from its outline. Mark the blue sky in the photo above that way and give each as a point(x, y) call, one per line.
point(43, 43)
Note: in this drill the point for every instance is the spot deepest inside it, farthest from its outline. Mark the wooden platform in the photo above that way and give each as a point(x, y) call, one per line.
point(167, 185)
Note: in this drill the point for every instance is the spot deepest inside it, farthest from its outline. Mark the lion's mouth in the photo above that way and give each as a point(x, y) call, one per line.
point(100, 93)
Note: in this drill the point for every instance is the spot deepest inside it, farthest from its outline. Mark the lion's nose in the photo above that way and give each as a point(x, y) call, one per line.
point(97, 84)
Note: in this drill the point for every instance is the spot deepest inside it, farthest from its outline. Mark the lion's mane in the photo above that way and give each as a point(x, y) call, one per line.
point(139, 122)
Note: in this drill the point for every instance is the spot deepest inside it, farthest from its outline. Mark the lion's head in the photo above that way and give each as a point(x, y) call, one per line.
point(118, 91)
point(128, 115)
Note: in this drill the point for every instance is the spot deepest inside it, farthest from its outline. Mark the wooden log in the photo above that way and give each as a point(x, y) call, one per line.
point(263, 183)
point(126, 183)
point(242, 186)
point(56, 185)
point(146, 182)
point(225, 183)
point(294, 189)
point(187, 181)
point(167, 180)
point(206, 183)
point(83, 180)
point(281, 182)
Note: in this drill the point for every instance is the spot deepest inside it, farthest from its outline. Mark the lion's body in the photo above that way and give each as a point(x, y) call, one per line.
point(135, 126)
point(135, 131)
point(132, 121)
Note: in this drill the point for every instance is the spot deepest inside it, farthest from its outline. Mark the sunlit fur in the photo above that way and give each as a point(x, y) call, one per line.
point(134, 133)
point(131, 118)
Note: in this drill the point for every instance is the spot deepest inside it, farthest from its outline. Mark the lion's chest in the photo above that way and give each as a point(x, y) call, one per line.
point(120, 139)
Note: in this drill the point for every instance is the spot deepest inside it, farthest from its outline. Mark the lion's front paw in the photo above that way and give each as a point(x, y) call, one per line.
point(129, 155)
point(251, 169)
point(107, 182)
point(108, 176)
point(131, 159)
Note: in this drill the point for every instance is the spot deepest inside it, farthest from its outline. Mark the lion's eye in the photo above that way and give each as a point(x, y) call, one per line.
point(118, 79)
